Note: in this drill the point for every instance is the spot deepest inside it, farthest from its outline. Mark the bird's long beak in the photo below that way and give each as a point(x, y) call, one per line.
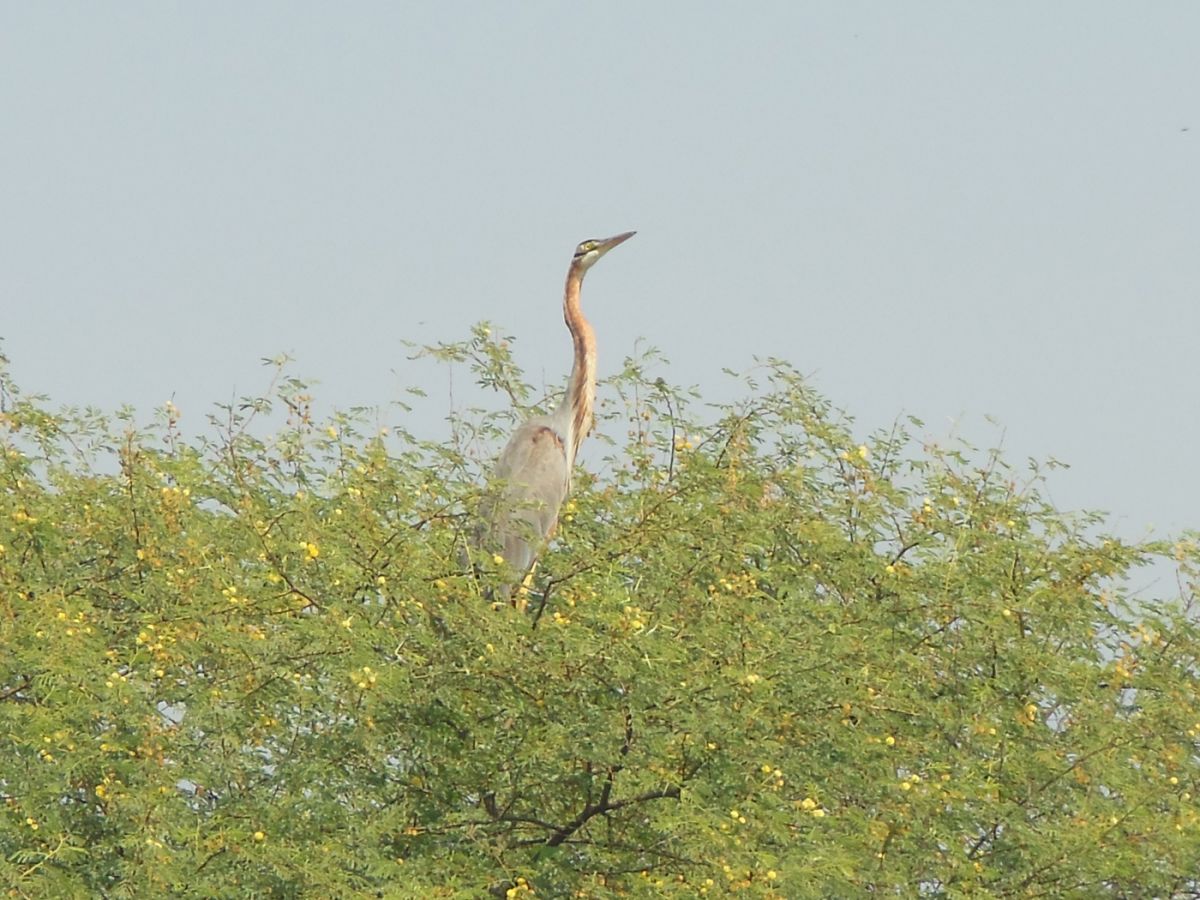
point(608, 243)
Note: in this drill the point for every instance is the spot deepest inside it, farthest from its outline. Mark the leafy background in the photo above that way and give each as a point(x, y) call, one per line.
point(761, 657)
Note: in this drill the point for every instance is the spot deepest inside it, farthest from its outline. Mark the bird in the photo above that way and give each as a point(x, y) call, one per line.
point(532, 476)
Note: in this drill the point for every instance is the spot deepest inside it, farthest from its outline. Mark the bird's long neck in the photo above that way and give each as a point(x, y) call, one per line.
point(581, 388)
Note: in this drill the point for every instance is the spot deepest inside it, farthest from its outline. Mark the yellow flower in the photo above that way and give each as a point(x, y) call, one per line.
point(259, 836)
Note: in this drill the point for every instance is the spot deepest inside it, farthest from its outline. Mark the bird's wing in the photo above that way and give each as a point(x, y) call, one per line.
point(533, 480)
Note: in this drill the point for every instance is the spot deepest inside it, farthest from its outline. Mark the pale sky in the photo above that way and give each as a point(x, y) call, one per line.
point(944, 209)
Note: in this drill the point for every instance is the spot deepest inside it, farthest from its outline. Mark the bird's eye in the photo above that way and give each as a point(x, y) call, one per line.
point(587, 246)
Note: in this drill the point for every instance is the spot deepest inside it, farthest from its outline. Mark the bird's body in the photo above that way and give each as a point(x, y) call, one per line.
point(533, 473)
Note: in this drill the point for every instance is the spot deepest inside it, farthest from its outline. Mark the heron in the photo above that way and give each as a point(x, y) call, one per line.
point(533, 473)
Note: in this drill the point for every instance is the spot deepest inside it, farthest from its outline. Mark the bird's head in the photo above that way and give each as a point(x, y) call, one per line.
point(588, 252)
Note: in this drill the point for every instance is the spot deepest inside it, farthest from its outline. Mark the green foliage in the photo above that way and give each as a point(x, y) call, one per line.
point(761, 657)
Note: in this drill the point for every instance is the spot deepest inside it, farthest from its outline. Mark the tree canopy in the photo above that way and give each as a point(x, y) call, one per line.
point(763, 656)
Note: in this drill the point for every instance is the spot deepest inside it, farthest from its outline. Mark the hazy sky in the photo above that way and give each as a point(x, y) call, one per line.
point(945, 209)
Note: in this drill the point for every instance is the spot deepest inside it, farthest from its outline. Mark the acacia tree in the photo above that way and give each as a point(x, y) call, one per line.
point(762, 656)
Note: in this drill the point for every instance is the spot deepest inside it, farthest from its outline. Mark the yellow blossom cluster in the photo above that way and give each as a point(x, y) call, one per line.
point(738, 584)
point(739, 879)
point(985, 729)
point(73, 624)
point(1147, 636)
point(812, 807)
point(364, 679)
point(60, 740)
point(1187, 818)
point(156, 639)
point(1124, 666)
point(520, 888)
point(633, 618)
point(571, 597)
point(925, 511)
point(109, 785)
point(773, 775)
point(1027, 715)
point(173, 495)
